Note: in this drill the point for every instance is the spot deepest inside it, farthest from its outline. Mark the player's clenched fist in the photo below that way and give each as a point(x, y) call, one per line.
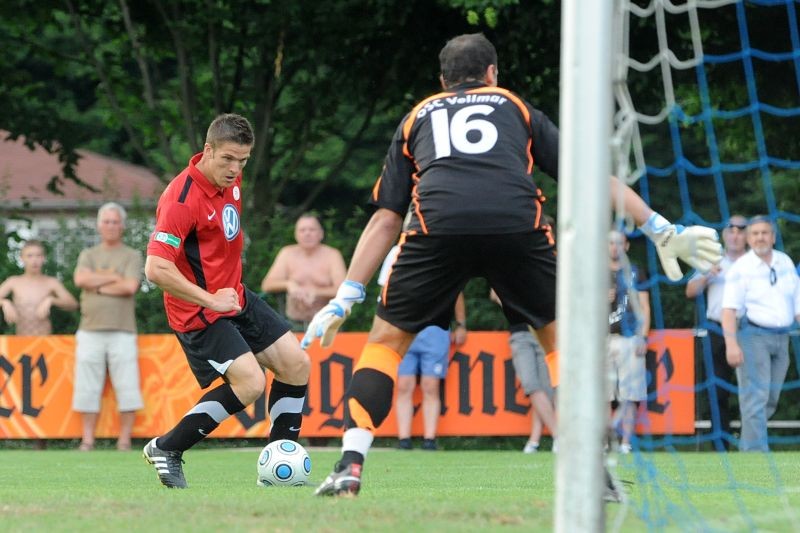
point(697, 246)
point(225, 300)
point(330, 318)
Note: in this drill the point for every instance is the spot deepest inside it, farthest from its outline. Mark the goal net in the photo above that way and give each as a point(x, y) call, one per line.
point(707, 125)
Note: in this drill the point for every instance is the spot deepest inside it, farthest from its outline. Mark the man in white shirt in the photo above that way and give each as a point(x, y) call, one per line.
point(763, 284)
point(717, 370)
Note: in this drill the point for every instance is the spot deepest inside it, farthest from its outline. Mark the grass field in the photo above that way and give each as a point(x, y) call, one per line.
point(65, 490)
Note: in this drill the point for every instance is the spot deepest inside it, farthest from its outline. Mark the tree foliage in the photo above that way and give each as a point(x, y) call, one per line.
point(325, 84)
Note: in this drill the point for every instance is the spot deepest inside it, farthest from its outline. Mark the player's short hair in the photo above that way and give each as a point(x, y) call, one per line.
point(230, 128)
point(465, 58)
point(123, 215)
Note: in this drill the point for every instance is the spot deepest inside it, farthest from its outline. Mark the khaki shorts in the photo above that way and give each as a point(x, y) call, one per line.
point(627, 375)
point(97, 352)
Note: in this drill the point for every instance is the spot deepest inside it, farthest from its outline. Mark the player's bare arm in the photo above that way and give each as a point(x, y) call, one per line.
point(378, 237)
point(166, 275)
point(697, 246)
point(338, 273)
point(632, 202)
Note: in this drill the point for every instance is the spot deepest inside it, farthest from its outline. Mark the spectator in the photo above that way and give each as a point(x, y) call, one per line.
point(763, 287)
point(629, 325)
point(309, 272)
point(528, 358)
point(108, 275)
point(27, 299)
point(718, 372)
point(225, 330)
point(426, 358)
point(32, 296)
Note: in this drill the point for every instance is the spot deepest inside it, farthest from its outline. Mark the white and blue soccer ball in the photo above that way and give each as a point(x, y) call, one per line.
point(283, 463)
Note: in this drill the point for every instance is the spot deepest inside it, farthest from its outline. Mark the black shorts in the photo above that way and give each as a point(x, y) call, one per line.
point(430, 271)
point(210, 351)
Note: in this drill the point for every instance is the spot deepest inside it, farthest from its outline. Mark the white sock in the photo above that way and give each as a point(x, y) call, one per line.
point(357, 440)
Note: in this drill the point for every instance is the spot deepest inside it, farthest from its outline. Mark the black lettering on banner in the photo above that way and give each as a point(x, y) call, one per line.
point(27, 382)
point(8, 370)
point(341, 366)
point(652, 363)
point(442, 397)
point(486, 360)
point(259, 413)
point(510, 390)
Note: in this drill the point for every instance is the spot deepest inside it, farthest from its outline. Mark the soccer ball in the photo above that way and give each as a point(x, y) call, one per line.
point(283, 463)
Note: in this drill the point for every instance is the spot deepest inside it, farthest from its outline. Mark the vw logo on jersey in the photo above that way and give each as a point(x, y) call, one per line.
point(230, 221)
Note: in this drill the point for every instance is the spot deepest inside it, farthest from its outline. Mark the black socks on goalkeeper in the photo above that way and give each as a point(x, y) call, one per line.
point(214, 407)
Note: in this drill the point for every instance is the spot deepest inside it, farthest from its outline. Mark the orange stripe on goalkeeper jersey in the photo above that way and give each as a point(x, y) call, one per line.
point(385, 289)
point(548, 231)
point(538, 217)
point(412, 117)
point(377, 186)
point(551, 360)
point(359, 415)
point(379, 357)
point(418, 209)
point(522, 109)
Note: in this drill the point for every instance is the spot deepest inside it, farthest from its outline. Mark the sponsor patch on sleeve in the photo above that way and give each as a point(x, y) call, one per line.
point(168, 238)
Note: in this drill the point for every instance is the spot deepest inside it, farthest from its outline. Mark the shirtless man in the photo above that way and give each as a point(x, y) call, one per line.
point(309, 272)
point(27, 299)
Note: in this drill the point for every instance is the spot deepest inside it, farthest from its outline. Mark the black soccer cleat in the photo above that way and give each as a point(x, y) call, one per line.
point(343, 481)
point(168, 465)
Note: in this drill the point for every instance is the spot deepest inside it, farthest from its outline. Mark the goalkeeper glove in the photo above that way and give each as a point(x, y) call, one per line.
point(697, 246)
point(330, 318)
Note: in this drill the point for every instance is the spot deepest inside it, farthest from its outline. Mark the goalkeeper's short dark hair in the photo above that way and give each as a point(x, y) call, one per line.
point(465, 58)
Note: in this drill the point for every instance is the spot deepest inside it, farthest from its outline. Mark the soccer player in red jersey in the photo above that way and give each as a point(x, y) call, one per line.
point(226, 331)
point(463, 161)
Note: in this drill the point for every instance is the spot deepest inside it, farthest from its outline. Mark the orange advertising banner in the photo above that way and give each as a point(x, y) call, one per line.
point(481, 395)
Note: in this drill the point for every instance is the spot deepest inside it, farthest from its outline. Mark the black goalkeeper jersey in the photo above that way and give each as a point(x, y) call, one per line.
point(462, 163)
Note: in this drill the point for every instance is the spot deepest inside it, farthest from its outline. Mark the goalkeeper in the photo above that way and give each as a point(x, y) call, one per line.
point(462, 161)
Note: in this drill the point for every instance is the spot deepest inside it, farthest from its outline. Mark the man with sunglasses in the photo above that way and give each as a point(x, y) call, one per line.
point(764, 286)
point(717, 368)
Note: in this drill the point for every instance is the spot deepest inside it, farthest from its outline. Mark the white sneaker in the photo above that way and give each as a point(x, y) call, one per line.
point(531, 447)
point(625, 448)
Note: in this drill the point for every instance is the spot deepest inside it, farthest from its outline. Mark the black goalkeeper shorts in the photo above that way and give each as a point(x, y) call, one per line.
point(430, 271)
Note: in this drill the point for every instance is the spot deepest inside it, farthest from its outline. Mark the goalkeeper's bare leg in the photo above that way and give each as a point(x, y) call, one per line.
point(369, 400)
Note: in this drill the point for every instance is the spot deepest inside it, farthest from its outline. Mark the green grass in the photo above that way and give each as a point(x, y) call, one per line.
point(65, 490)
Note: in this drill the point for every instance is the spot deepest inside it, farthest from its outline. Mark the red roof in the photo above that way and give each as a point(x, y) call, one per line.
point(25, 173)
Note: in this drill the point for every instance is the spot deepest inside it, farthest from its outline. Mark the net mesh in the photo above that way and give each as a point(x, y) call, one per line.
point(714, 136)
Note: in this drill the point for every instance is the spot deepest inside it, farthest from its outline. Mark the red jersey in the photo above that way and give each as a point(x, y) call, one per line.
point(198, 228)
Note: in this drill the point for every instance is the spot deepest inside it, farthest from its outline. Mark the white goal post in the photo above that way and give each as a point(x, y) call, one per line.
point(586, 112)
